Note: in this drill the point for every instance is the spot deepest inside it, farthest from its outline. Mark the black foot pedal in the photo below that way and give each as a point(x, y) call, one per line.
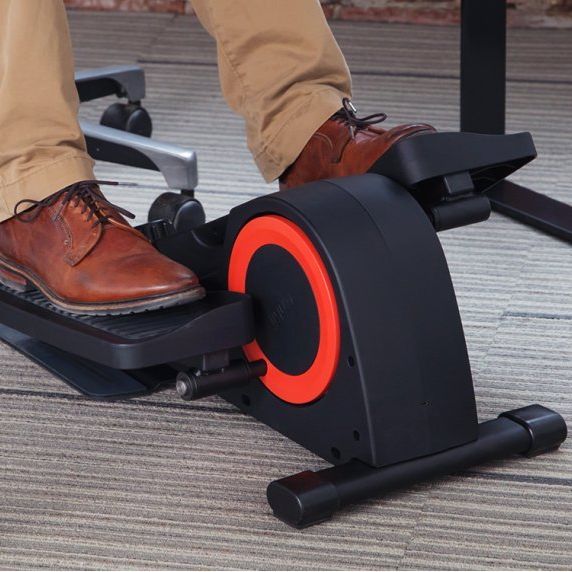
point(221, 320)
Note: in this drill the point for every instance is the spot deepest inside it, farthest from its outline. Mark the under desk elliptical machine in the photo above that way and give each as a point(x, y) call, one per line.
point(330, 313)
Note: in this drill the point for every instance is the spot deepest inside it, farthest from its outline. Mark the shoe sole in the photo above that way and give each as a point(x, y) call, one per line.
point(19, 280)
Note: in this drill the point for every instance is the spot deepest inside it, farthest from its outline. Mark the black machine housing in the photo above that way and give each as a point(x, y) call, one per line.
point(403, 360)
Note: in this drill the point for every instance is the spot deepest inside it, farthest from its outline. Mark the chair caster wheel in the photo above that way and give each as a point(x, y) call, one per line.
point(184, 212)
point(130, 117)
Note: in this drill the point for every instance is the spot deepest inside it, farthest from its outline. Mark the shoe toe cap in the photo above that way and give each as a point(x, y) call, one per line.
point(153, 275)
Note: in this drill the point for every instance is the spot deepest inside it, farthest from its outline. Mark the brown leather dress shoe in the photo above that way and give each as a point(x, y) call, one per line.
point(79, 251)
point(345, 145)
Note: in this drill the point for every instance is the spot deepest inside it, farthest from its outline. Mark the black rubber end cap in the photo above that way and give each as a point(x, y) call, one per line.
point(547, 429)
point(302, 500)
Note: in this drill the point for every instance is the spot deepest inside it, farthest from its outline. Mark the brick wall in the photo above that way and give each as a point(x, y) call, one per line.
point(535, 13)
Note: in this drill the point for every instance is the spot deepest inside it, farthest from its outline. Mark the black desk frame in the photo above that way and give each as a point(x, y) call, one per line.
point(483, 110)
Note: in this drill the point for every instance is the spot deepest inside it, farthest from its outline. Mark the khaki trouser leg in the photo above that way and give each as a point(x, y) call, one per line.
point(280, 68)
point(42, 149)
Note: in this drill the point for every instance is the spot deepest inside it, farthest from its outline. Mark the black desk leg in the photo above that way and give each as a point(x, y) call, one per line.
point(483, 110)
point(483, 66)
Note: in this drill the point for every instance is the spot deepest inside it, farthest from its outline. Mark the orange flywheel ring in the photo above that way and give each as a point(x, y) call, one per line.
point(276, 230)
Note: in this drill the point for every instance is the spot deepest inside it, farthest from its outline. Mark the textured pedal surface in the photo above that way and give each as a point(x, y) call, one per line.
point(134, 326)
point(221, 320)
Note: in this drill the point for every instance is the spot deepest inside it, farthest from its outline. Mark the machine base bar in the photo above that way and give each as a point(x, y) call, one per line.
point(311, 497)
point(532, 208)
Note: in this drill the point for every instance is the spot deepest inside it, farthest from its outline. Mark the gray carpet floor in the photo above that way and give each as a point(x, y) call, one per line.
point(158, 483)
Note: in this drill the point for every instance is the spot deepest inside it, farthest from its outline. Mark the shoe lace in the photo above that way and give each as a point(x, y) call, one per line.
point(348, 115)
point(85, 192)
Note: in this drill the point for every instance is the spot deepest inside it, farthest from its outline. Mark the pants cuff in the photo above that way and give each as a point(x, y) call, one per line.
point(284, 147)
point(45, 181)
